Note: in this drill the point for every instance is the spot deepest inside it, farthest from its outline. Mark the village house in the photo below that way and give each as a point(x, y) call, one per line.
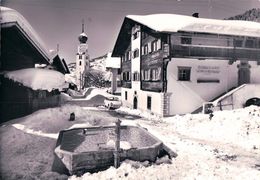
point(29, 81)
point(171, 64)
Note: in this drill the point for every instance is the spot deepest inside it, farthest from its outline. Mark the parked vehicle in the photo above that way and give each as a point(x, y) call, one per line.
point(112, 102)
point(253, 101)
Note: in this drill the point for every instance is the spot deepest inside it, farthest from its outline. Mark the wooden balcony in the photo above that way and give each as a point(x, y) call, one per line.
point(156, 86)
point(216, 52)
point(126, 84)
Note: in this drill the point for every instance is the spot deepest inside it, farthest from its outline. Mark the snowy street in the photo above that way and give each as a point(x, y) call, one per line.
point(225, 147)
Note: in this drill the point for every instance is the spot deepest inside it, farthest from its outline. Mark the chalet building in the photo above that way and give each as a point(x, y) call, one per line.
point(171, 64)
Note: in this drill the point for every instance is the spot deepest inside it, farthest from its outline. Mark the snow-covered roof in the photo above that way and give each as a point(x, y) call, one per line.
point(10, 16)
point(175, 23)
point(112, 62)
point(38, 79)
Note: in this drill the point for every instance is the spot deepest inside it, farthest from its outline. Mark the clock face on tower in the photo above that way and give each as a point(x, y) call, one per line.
point(82, 48)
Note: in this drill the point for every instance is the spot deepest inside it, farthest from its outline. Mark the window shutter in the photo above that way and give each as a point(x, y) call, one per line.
point(142, 50)
point(159, 44)
point(149, 47)
point(159, 74)
point(142, 74)
point(149, 74)
point(130, 55)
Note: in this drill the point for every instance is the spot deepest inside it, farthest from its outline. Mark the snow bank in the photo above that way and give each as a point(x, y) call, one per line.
point(175, 23)
point(137, 112)
point(134, 170)
point(38, 79)
point(93, 93)
point(239, 127)
point(38, 133)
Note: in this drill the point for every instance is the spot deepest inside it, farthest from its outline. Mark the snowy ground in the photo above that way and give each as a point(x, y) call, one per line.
point(225, 147)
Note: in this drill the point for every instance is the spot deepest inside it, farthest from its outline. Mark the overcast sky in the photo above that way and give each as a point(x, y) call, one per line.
point(59, 21)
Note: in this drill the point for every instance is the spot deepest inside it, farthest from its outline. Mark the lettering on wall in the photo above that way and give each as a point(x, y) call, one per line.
point(208, 69)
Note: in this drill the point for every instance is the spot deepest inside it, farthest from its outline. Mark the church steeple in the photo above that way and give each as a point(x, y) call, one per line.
point(83, 36)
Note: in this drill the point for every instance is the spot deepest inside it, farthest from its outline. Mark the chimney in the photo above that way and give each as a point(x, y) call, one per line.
point(196, 15)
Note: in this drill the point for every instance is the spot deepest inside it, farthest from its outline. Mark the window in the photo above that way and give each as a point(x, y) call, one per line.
point(135, 35)
point(184, 73)
point(145, 49)
point(149, 102)
point(238, 42)
point(136, 53)
point(136, 76)
point(154, 46)
point(126, 76)
point(80, 56)
point(156, 73)
point(144, 35)
point(147, 75)
point(185, 40)
point(122, 58)
point(80, 63)
point(149, 47)
point(250, 43)
point(128, 56)
point(125, 95)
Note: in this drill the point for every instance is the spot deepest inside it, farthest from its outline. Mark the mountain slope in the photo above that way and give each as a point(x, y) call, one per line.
point(250, 15)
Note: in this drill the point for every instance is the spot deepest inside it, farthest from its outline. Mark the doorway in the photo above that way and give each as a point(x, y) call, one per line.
point(135, 102)
point(243, 73)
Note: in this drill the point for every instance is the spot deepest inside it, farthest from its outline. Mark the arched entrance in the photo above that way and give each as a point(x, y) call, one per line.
point(135, 102)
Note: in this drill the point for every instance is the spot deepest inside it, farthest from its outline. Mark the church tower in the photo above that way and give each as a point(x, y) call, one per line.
point(82, 59)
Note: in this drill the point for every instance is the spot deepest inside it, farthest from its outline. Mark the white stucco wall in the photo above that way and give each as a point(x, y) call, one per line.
point(238, 97)
point(187, 96)
point(156, 105)
point(135, 62)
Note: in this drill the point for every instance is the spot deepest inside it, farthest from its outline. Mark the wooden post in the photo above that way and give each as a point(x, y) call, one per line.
point(117, 145)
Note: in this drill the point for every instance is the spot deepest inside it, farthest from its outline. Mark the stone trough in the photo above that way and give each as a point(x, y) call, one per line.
point(93, 148)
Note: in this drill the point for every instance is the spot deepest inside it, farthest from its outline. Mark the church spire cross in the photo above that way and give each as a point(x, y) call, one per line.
point(82, 25)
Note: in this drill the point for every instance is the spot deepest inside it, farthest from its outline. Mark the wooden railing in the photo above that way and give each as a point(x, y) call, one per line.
point(126, 84)
point(156, 86)
point(217, 52)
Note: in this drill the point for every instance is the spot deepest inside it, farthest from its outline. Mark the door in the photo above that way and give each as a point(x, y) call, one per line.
point(135, 102)
point(243, 73)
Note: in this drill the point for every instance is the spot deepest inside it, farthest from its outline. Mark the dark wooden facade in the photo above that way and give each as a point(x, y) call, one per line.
point(210, 46)
point(19, 51)
point(152, 60)
point(126, 68)
point(18, 100)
